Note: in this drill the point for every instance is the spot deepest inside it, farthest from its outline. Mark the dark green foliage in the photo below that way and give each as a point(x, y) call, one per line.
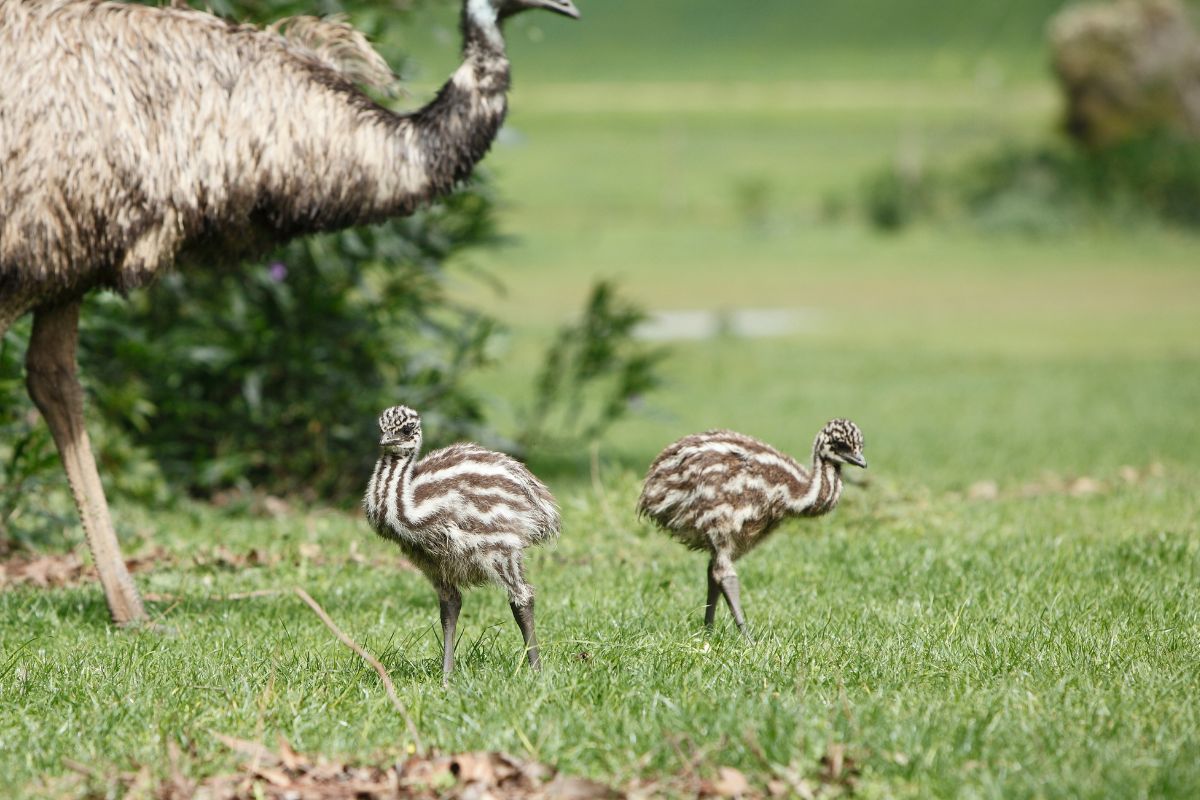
point(27, 457)
point(34, 497)
point(1048, 187)
point(892, 198)
point(272, 375)
point(591, 374)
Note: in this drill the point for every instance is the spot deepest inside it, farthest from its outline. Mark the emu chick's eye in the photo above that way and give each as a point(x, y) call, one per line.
point(407, 428)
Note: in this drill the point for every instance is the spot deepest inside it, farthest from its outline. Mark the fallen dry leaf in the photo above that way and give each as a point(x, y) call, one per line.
point(56, 570)
point(1053, 484)
point(284, 773)
point(777, 788)
point(222, 557)
point(730, 783)
point(838, 768)
point(983, 490)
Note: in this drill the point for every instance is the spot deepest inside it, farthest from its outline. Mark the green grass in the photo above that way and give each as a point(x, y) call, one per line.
point(1041, 644)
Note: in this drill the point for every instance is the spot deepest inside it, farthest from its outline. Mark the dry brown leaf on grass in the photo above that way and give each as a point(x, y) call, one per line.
point(57, 570)
point(983, 490)
point(1052, 483)
point(222, 557)
point(61, 570)
point(838, 768)
point(730, 783)
point(284, 773)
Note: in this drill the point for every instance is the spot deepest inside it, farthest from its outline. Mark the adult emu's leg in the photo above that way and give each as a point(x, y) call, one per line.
point(51, 375)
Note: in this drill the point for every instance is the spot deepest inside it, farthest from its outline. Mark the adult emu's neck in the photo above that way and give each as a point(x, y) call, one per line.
point(456, 129)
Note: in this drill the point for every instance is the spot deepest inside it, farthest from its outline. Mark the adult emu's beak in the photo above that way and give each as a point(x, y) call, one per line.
point(856, 459)
point(564, 7)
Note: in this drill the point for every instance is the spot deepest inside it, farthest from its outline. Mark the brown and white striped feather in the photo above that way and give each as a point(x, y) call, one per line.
point(722, 488)
point(462, 512)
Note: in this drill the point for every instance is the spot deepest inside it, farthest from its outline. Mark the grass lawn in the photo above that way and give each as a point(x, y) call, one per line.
point(1008, 607)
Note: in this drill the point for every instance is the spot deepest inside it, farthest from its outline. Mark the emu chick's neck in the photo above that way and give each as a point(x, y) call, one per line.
point(388, 502)
point(821, 493)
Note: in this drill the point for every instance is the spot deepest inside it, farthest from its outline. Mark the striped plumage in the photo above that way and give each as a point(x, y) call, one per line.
point(463, 515)
point(725, 492)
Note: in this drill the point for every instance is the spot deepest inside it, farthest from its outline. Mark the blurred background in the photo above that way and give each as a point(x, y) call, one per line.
point(969, 227)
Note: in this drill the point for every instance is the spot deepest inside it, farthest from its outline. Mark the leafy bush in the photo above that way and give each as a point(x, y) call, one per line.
point(272, 375)
point(35, 500)
point(591, 374)
point(1048, 188)
point(27, 457)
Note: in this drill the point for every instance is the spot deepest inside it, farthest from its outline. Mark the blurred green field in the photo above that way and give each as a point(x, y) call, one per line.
point(1036, 636)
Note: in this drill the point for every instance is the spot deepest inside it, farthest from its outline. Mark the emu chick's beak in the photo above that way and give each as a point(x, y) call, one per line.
point(564, 7)
point(390, 445)
point(856, 459)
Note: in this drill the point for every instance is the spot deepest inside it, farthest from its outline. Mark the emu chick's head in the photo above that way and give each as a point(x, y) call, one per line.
point(506, 8)
point(400, 427)
point(841, 442)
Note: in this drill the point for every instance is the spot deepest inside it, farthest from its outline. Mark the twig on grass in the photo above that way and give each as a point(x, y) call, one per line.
point(370, 659)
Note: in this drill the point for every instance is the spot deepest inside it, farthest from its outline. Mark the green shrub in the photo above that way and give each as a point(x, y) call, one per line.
point(272, 375)
point(1047, 188)
point(893, 198)
point(28, 462)
point(592, 373)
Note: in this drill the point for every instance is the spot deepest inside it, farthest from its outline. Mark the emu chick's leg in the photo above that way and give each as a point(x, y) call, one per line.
point(54, 387)
point(723, 573)
point(732, 589)
point(450, 603)
point(714, 592)
point(523, 614)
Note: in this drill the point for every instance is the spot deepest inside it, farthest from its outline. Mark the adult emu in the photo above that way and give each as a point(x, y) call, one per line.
point(132, 138)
